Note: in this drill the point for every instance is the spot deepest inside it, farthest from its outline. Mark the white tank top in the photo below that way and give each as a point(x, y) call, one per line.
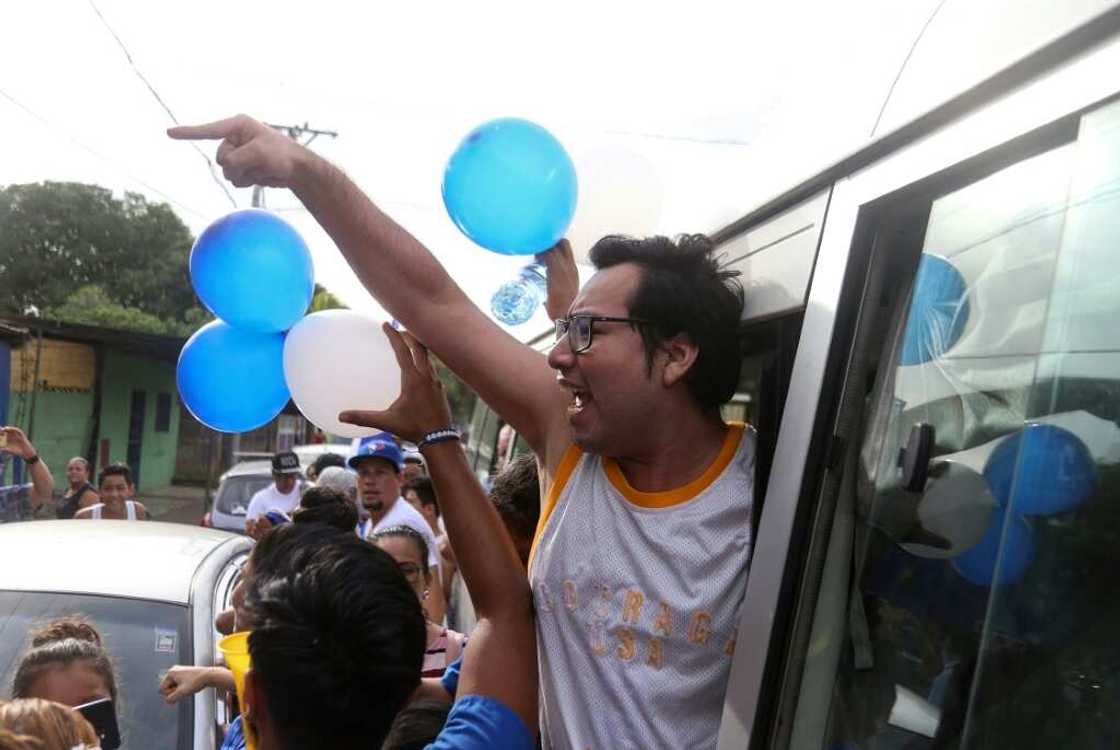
point(128, 504)
point(637, 597)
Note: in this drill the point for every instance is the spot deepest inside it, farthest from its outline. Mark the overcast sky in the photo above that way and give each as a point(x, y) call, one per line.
point(716, 106)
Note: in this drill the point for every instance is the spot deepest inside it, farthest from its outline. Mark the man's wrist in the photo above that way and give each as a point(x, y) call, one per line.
point(309, 171)
point(32, 459)
point(441, 435)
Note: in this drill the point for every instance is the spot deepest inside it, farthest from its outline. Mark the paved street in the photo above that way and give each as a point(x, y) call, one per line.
point(176, 504)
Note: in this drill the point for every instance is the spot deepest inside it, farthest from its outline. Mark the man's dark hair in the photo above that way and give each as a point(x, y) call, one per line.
point(417, 725)
point(424, 490)
point(516, 494)
point(341, 516)
point(323, 460)
point(115, 469)
point(326, 505)
point(683, 290)
point(280, 551)
point(337, 642)
point(314, 497)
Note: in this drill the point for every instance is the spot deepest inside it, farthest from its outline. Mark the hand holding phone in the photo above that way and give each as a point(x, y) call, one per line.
point(102, 714)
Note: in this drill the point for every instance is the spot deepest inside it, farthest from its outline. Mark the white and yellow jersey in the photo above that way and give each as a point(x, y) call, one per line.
point(637, 598)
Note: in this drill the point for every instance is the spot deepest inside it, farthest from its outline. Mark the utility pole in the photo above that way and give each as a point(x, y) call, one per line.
point(303, 134)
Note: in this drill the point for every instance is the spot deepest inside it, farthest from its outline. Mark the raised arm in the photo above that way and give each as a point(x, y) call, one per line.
point(402, 275)
point(501, 659)
point(42, 483)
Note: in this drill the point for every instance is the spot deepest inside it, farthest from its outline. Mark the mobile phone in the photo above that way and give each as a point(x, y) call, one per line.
point(3, 439)
point(102, 714)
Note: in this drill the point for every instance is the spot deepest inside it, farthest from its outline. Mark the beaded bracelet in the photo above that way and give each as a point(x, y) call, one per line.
point(438, 436)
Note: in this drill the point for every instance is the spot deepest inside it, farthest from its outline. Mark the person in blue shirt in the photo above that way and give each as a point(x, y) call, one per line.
point(338, 639)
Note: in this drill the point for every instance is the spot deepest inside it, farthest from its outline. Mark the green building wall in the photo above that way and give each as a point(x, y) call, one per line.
point(60, 430)
point(63, 421)
point(124, 374)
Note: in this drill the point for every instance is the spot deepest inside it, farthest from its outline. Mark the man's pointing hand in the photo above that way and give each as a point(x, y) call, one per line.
point(250, 153)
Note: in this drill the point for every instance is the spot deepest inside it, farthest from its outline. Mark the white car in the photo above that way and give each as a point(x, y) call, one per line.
point(235, 489)
point(151, 589)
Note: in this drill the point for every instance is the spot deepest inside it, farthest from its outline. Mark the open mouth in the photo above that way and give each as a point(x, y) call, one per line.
point(580, 399)
point(373, 505)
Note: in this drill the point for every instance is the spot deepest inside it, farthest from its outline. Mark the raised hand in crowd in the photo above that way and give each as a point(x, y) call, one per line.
point(42, 483)
point(563, 279)
point(184, 681)
point(500, 662)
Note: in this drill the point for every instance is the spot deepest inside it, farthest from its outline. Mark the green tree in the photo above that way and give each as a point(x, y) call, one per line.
point(90, 305)
point(323, 299)
point(58, 237)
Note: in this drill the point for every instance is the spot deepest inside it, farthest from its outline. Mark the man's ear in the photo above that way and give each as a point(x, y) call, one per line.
point(678, 354)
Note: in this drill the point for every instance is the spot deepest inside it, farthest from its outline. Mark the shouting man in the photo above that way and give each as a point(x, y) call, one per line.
point(640, 559)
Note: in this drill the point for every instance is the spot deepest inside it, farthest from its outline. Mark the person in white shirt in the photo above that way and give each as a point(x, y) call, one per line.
point(282, 495)
point(379, 463)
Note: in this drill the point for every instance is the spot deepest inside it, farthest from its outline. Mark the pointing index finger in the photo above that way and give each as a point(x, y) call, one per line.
point(210, 131)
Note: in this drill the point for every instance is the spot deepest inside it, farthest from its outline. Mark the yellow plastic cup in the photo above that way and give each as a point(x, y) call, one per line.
point(235, 649)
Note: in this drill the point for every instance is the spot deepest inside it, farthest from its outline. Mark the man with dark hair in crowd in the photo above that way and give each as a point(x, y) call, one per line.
point(282, 496)
point(640, 562)
point(337, 638)
point(516, 494)
point(322, 461)
point(116, 489)
point(380, 463)
point(420, 495)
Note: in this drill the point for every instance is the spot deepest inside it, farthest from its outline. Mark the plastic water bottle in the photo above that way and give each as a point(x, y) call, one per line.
point(516, 301)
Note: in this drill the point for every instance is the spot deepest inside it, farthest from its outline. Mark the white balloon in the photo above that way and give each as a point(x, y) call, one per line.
point(620, 192)
point(336, 360)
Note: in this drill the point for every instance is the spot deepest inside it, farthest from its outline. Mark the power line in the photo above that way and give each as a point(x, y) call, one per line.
point(162, 103)
point(108, 160)
point(905, 62)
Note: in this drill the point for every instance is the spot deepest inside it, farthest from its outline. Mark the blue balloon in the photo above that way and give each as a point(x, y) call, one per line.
point(252, 269)
point(511, 187)
point(1040, 470)
point(1008, 545)
point(231, 379)
point(938, 311)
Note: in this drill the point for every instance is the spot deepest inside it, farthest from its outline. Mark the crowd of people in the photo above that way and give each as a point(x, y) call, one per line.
point(113, 498)
point(603, 618)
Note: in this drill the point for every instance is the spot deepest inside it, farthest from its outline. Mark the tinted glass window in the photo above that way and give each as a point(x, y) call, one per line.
point(236, 492)
point(144, 639)
point(983, 608)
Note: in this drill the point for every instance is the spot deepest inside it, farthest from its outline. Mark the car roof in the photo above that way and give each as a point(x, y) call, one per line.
point(134, 559)
point(249, 468)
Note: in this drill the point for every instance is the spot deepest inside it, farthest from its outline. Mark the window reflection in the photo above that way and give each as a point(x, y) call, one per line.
point(985, 604)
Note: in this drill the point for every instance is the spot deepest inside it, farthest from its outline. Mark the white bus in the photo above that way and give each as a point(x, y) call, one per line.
point(934, 372)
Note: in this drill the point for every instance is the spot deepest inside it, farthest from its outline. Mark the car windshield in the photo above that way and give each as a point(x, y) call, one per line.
point(144, 638)
point(236, 492)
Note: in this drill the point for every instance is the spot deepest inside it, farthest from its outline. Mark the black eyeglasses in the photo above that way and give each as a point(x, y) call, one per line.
point(580, 329)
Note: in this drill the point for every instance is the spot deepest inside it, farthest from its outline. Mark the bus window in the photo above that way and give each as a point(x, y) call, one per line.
point(968, 596)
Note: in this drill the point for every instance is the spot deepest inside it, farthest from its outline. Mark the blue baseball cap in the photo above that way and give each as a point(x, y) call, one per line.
point(380, 445)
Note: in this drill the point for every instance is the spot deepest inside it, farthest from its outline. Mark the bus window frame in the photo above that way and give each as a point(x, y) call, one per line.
point(999, 126)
